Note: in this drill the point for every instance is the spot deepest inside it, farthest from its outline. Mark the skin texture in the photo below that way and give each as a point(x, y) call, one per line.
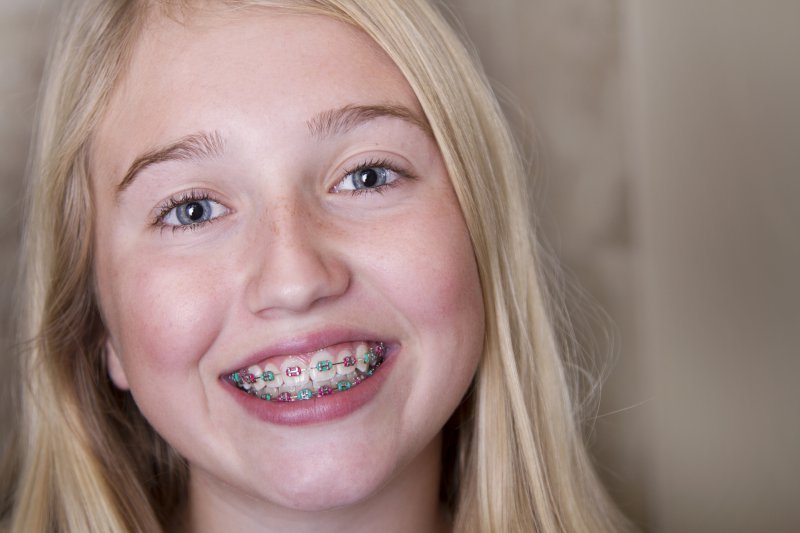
point(290, 256)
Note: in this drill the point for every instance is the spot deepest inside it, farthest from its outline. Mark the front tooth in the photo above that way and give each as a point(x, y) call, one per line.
point(294, 372)
point(272, 371)
point(361, 354)
point(348, 363)
point(321, 368)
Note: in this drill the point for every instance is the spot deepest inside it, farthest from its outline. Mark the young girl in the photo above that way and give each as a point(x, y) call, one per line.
point(280, 276)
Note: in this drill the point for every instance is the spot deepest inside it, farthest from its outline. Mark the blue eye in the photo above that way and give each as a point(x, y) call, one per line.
point(192, 211)
point(366, 178)
point(369, 178)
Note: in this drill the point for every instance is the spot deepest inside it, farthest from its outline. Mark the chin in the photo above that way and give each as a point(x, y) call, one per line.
point(315, 491)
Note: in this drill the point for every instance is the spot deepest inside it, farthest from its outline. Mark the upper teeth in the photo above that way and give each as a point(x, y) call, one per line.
point(322, 369)
point(294, 372)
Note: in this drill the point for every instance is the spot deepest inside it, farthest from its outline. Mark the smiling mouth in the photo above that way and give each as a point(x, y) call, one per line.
point(331, 370)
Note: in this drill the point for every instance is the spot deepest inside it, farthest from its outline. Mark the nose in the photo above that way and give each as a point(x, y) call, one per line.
point(297, 265)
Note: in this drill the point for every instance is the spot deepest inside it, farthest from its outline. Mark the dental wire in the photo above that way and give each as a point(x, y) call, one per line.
point(374, 358)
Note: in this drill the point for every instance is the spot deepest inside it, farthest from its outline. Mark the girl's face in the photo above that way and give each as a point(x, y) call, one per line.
point(267, 193)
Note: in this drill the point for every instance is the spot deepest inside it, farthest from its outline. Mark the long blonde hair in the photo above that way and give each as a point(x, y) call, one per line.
point(89, 460)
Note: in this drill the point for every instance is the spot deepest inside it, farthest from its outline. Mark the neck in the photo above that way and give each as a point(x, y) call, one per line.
point(408, 502)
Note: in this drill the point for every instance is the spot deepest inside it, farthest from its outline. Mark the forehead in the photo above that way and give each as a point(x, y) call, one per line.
point(221, 69)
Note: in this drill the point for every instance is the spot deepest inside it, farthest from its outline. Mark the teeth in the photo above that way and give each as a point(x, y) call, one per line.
point(272, 391)
point(347, 361)
point(294, 372)
point(255, 371)
point(271, 370)
point(305, 394)
point(250, 377)
point(286, 388)
point(324, 374)
point(284, 397)
point(362, 359)
point(321, 367)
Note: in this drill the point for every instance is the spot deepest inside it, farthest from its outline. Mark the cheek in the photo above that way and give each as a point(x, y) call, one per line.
point(161, 317)
point(436, 288)
point(438, 277)
point(431, 274)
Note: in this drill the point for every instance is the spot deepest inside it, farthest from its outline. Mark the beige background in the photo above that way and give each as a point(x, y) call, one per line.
point(669, 156)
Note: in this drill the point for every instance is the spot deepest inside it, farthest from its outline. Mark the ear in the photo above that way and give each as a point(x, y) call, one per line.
point(115, 369)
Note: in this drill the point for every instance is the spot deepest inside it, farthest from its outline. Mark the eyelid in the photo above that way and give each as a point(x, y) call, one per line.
point(164, 208)
point(402, 171)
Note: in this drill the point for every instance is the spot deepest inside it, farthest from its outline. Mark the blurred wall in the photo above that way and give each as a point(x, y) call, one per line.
point(715, 146)
point(666, 138)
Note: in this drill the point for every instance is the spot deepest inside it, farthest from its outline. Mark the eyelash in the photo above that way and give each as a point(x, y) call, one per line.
point(197, 196)
point(176, 201)
point(376, 163)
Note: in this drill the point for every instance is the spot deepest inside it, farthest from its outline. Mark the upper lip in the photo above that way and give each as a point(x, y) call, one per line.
point(305, 343)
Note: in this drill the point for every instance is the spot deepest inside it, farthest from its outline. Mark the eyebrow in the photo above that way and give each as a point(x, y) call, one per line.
point(203, 145)
point(343, 119)
point(206, 145)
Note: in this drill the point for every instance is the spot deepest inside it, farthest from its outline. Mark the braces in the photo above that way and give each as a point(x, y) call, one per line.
point(373, 358)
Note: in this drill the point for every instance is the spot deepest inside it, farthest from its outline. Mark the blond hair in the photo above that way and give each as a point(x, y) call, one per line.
point(89, 461)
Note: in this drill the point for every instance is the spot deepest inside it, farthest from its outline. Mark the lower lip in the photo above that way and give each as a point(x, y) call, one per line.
point(315, 410)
